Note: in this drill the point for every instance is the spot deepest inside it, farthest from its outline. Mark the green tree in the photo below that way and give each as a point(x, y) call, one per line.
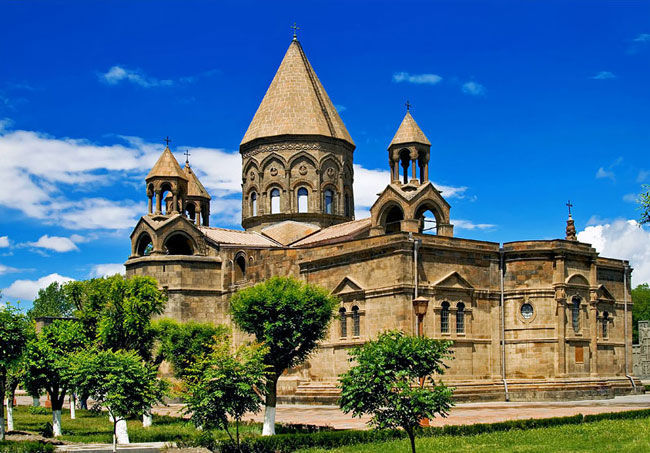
point(120, 381)
point(14, 329)
point(224, 385)
point(48, 362)
point(641, 308)
point(290, 318)
point(51, 301)
point(183, 344)
point(644, 205)
point(393, 380)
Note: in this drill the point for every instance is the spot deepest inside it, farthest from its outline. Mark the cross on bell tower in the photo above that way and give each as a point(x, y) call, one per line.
point(167, 140)
point(570, 225)
point(295, 29)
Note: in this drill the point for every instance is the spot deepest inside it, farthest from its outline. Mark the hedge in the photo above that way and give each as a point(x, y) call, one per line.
point(286, 443)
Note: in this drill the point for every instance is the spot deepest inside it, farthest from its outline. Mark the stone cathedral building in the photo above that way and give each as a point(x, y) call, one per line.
point(537, 319)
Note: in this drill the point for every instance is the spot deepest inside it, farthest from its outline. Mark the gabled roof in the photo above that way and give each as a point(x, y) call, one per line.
point(409, 132)
point(237, 237)
point(296, 103)
point(289, 231)
point(194, 186)
point(167, 166)
point(335, 233)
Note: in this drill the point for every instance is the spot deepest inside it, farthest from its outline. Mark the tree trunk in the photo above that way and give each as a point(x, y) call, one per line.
point(411, 435)
point(2, 409)
point(147, 418)
point(56, 422)
point(121, 432)
point(271, 400)
point(10, 414)
point(73, 409)
point(35, 401)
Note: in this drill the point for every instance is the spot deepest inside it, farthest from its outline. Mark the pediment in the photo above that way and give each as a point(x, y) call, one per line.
point(347, 285)
point(604, 294)
point(410, 195)
point(454, 281)
point(577, 280)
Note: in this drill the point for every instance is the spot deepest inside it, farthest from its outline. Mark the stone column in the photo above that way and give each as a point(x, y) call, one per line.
point(149, 204)
point(174, 202)
point(159, 202)
point(197, 214)
point(593, 330)
point(560, 299)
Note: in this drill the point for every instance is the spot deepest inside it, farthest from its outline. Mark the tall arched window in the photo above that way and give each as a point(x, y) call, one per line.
point(329, 201)
point(356, 322)
point(344, 322)
point(347, 205)
point(460, 318)
point(275, 201)
point(444, 318)
point(575, 314)
point(254, 203)
point(303, 200)
point(240, 268)
point(605, 322)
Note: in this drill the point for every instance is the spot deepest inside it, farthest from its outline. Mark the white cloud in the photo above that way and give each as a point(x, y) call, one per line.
point(106, 270)
point(473, 88)
point(55, 243)
point(419, 79)
point(5, 123)
point(622, 239)
point(4, 241)
point(630, 197)
point(28, 289)
point(643, 37)
point(603, 75)
point(340, 108)
point(469, 225)
point(602, 174)
point(7, 269)
point(642, 176)
point(118, 74)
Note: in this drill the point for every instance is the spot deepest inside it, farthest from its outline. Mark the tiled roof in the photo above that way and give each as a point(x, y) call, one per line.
point(237, 237)
point(289, 231)
point(296, 103)
point(194, 186)
point(335, 233)
point(409, 132)
point(166, 166)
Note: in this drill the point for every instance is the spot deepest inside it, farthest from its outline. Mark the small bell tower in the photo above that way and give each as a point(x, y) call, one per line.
point(408, 153)
point(166, 183)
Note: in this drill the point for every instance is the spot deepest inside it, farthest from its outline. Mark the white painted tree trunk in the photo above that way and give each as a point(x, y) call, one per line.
point(147, 419)
point(56, 423)
point(35, 401)
point(73, 409)
point(121, 432)
point(269, 421)
point(10, 415)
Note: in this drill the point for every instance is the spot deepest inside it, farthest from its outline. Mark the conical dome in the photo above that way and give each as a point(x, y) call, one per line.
point(296, 103)
point(166, 166)
point(409, 132)
point(194, 186)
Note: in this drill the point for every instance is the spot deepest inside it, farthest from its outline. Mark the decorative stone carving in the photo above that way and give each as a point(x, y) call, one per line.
point(273, 171)
point(283, 147)
point(251, 175)
point(302, 170)
point(331, 173)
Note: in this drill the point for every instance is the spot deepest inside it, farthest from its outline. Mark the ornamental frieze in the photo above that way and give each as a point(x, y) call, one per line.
point(283, 147)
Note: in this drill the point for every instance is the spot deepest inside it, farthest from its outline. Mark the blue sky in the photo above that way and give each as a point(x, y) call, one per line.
point(526, 103)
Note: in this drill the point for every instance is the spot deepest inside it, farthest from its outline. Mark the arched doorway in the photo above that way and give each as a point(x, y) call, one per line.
point(179, 244)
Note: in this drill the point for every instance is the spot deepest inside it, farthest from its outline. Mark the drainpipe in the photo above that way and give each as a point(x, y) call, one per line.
point(627, 371)
point(502, 271)
point(416, 245)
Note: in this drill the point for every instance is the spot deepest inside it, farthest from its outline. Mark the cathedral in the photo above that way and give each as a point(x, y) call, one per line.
point(538, 319)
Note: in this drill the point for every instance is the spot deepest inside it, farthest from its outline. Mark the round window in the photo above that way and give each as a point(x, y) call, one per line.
point(527, 311)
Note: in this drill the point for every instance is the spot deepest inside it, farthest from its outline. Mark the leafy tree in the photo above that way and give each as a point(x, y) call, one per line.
point(644, 205)
point(641, 308)
point(393, 380)
point(290, 318)
point(14, 329)
point(223, 386)
point(120, 381)
point(183, 344)
point(48, 362)
point(51, 301)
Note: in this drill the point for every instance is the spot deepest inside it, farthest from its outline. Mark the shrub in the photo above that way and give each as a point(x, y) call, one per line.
point(38, 410)
point(26, 447)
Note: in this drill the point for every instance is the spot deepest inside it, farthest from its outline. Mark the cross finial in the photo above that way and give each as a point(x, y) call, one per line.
point(167, 140)
point(187, 156)
point(569, 205)
point(295, 29)
point(408, 106)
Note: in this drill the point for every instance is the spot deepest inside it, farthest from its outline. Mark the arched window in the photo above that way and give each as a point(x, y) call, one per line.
point(254, 203)
point(303, 200)
point(575, 314)
point(190, 210)
point(356, 322)
point(460, 318)
point(179, 244)
point(444, 318)
point(427, 222)
point(329, 201)
point(166, 198)
point(344, 322)
point(275, 201)
point(240, 268)
point(144, 245)
point(405, 160)
point(605, 322)
point(394, 219)
point(347, 205)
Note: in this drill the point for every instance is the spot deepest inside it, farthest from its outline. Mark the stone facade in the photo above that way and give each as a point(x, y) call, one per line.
point(641, 352)
point(528, 319)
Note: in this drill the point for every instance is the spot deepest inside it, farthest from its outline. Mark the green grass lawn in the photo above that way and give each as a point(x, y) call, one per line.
point(90, 427)
point(602, 437)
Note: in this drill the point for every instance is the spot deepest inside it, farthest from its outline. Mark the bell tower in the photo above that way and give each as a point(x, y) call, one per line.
point(166, 185)
point(296, 153)
point(408, 153)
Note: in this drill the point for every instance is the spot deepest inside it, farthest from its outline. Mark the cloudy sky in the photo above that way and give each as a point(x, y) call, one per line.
point(527, 104)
